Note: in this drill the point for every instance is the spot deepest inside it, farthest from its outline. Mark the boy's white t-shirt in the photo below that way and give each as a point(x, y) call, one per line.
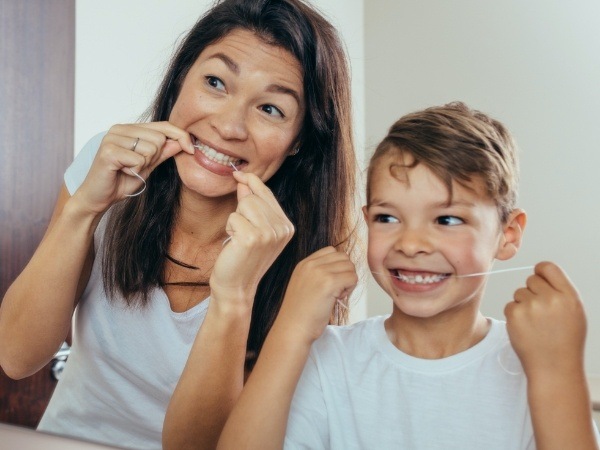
point(124, 362)
point(358, 391)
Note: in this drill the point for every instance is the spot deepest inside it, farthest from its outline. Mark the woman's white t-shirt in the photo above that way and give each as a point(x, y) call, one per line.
point(124, 362)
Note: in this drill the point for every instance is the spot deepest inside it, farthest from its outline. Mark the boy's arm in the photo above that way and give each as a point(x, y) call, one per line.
point(547, 327)
point(259, 418)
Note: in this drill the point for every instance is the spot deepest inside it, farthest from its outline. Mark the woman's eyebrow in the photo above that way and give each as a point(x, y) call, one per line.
point(275, 88)
point(279, 89)
point(228, 62)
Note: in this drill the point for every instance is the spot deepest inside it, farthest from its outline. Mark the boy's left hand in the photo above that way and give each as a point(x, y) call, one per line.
point(546, 322)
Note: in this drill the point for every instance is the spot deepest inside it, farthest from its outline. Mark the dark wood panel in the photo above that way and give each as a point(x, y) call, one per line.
point(37, 56)
point(23, 401)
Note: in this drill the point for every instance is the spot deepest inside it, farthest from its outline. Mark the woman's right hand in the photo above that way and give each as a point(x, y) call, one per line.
point(110, 178)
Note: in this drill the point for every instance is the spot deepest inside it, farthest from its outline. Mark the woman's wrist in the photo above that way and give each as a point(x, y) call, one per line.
point(76, 210)
point(232, 302)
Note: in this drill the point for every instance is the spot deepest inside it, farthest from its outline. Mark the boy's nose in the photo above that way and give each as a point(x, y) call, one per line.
point(411, 242)
point(230, 122)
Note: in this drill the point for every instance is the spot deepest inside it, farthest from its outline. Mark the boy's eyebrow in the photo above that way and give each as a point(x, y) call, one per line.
point(443, 204)
point(377, 202)
point(275, 88)
point(448, 204)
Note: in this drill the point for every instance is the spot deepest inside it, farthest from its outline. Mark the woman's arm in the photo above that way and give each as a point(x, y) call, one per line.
point(547, 327)
point(214, 373)
point(35, 315)
point(259, 419)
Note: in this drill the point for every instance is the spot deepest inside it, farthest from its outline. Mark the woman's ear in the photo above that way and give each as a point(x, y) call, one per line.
point(512, 235)
point(295, 149)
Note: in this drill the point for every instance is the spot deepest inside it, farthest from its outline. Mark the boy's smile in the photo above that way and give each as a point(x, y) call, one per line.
point(418, 239)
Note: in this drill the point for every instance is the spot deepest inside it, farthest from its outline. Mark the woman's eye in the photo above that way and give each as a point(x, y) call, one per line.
point(272, 110)
point(449, 220)
point(215, 82)
point(385, 218)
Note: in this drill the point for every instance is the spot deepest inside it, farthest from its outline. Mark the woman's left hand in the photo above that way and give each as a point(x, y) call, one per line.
point(258, 230)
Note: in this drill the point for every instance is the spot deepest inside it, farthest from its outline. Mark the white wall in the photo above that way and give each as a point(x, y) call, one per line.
point(534, 65)
point(123, 47)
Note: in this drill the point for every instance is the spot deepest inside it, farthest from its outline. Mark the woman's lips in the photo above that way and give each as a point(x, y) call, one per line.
point(215, 161)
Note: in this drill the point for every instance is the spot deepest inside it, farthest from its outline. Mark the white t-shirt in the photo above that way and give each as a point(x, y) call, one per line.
point(358, 391)
point(124, 362)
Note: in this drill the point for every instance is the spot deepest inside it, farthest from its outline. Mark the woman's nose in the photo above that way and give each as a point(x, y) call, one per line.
point(230, 121)
point(413, 241)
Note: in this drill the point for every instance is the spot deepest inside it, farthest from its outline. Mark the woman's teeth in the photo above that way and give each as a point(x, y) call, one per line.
point(217, 157)
point(420, 279)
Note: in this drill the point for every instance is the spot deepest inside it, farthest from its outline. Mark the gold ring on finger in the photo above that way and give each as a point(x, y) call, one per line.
point(135, 144)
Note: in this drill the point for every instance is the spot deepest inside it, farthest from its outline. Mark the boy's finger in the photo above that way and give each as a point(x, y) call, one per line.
point(555, 277)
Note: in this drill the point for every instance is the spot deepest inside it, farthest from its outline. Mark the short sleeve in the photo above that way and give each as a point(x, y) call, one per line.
point(307, 427)
point(79, 168)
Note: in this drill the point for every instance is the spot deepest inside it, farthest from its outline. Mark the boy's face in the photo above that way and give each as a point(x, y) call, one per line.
point(417, 241)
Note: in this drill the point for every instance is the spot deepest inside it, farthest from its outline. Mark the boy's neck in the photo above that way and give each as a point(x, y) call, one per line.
point(437, 337)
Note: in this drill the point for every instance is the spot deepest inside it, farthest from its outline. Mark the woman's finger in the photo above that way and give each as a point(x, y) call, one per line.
point(157, 141)
point(256, 185)
point(172, 133)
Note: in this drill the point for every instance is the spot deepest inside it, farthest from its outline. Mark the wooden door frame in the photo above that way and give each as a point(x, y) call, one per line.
point(37, 103)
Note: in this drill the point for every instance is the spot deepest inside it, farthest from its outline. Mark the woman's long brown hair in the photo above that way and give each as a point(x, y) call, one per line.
point(315, 188)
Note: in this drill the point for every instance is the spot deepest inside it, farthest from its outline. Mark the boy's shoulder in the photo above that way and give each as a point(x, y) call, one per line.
point(368, 325)
point(368, 339)
point(362, 334)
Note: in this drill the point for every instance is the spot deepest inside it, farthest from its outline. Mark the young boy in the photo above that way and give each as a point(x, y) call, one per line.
point(436, 373)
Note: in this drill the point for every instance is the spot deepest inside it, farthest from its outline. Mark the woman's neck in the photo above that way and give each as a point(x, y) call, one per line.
point(199, 226)
point(196, 241)
point(203, 219)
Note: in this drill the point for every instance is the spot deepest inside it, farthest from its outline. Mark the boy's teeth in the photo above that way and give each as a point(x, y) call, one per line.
point(420, 279)
point(217, 157)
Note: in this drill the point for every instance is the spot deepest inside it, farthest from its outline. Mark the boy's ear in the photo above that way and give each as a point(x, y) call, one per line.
point(512, 235)
point(365, 211)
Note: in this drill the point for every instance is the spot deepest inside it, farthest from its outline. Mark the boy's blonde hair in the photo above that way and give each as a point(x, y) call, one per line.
point(456, 143)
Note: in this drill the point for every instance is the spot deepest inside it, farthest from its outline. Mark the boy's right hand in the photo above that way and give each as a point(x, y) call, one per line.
point(317, 282)
point(110, 178)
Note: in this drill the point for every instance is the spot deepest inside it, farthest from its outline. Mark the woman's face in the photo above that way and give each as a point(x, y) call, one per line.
point(242, 103)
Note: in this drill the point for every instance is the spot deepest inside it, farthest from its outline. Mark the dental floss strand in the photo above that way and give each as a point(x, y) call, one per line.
point(491, 272)
point(512, 269)
point(141, 179)
point(237, 170)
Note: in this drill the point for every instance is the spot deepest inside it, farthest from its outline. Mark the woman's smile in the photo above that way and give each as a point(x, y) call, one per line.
point(242, 102)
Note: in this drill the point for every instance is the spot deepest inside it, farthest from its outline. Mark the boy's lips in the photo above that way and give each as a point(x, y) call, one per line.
point(418, 276)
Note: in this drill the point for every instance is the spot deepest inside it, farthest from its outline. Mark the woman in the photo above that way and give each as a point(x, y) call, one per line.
point(257, 93)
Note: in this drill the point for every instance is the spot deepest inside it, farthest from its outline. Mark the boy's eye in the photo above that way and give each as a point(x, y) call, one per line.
point(272, 110)
point(215, 82)
point(385, 218)
point(449, 220)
